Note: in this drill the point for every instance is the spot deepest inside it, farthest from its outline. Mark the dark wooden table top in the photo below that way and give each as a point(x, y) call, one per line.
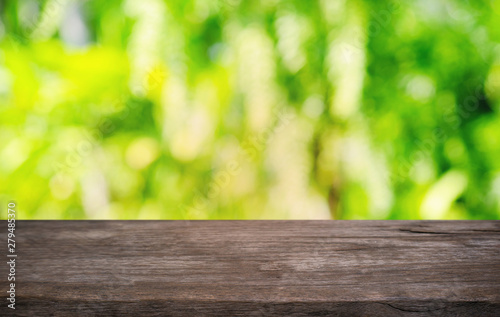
point(255, 268)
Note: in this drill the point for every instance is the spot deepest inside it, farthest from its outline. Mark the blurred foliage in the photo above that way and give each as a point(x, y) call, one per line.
point(205, 109)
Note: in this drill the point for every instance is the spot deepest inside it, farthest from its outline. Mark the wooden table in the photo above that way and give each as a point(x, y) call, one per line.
point(256, 268)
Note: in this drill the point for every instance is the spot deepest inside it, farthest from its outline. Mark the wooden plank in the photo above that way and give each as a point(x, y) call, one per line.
point(256, 268)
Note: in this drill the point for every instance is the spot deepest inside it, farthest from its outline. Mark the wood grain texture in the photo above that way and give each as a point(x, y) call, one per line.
point(256, 268)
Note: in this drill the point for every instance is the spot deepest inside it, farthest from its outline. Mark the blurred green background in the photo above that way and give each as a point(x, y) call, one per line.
point(151, 109)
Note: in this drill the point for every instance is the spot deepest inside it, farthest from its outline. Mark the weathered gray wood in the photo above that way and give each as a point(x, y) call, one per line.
point(256, 268)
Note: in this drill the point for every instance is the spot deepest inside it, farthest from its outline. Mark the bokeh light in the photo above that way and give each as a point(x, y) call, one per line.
point(268, 109)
